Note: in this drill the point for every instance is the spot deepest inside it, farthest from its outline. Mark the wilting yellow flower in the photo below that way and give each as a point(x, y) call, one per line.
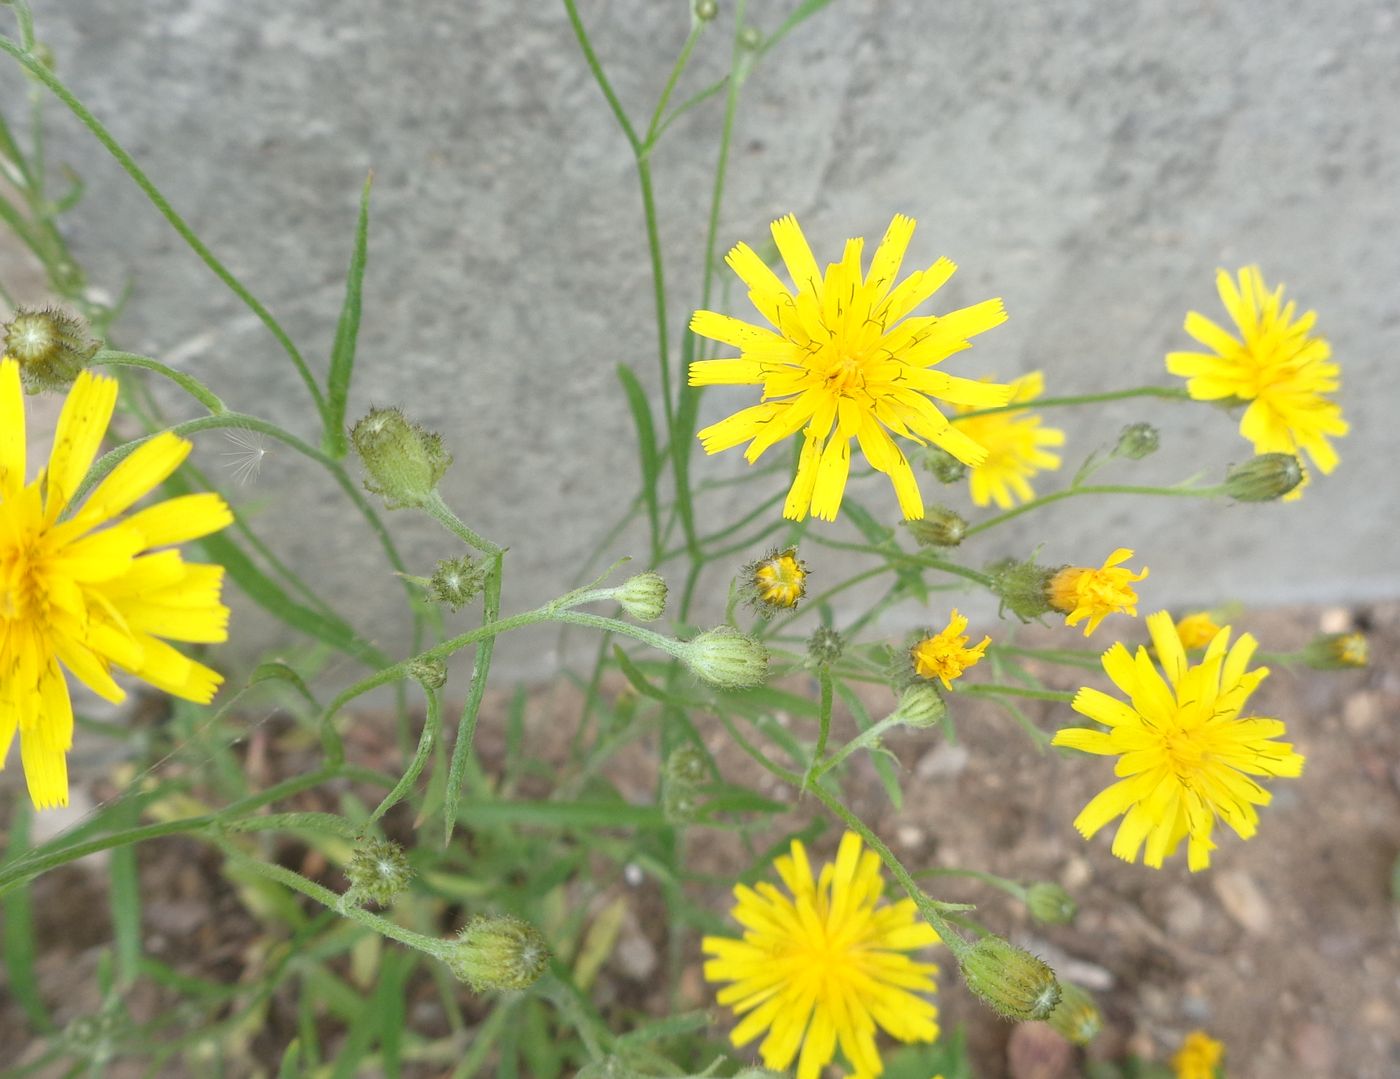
point(844, 363)
point(944, 655)
point(1081, 592)
point(1199, 1056)
point(1197, 630)
point(824, 966)
point(1275, 364)
point(1185, 752)
point(79, 587)
point(776, 581)
point(1016, 447)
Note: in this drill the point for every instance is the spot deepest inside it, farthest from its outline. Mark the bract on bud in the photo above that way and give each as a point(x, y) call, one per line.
point(1051, 904)
point(1136, 441)
point(945, 467)
point(921, 706)
point(643, 596)
point(1264, 478)
point(403, 462)
point(500, 952)
point(431, 672)
point(1076, 1017)
point(1012, 981)
point(1024, 587)
point(51, 347)
point(940, 527)
point(727, 658)
point(1337, 651)
point(458, 580)
point(824, 646)
point(378, 871)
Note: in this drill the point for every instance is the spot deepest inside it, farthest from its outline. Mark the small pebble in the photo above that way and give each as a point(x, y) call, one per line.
point(1243, 901)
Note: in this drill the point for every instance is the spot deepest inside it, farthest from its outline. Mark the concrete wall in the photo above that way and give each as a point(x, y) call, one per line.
point(1092, 163)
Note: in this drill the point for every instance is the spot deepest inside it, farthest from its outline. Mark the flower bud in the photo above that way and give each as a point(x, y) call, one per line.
point(643, 596)
point(1136, 441)
point(750, 38)
point(403, 461)
point(1012, 981)
point(1051, 904)
point(775, 582)
point(1024, 587)
point(1076, 1017)
point(706, 10)
point(945, 467)
point(940, 527)
point(679, 804)
point(501, 952)
point(727, 658)
point(457, 580)
point(51, 347)
point(1337, 651)
point(378, 871)
point(687, 765)
point(1264, 478)
point(824, 646)
point(431, 672)
point(921, 706)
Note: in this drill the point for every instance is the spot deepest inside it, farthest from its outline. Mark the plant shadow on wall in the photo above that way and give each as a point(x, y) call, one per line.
point(437, 902)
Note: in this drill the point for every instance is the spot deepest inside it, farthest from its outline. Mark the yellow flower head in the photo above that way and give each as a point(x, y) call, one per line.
point(844, 363)
point(1353, 650)
point(824, 965)
point(1016, 447)
point(776, 581)
point(944, 655)
point(1197, 630)
point(1275, 364)
point(1081, 592)
point(1185, 753)
point(81, 588)
point(1199, 1057)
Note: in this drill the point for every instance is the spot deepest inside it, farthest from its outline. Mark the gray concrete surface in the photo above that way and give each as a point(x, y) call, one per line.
point(1091, 162)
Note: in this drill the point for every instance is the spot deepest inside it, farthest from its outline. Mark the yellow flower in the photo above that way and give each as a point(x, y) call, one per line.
point(824, 965)
point(1186, 755)
point(79, 587)
point(776, 581)
point(1015, 444)
point(1197, 630)
point(1199, 1056)
point(1081, 592)
point(844, 363)
point(1275, 364)
point(944, 655)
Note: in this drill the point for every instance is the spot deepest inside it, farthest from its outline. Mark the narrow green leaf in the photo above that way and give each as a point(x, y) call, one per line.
point(889, 779)
point(347, 333)
point(291, 1061)
point(388, 1005)
point(466, 727)
point(125, 897)
point(646, 444)
point(19, 930)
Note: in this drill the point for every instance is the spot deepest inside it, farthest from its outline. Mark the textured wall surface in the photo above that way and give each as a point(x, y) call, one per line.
point(1091, 162)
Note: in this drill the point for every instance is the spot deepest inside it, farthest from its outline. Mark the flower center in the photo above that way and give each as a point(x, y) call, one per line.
point(846, 374)
point(21, 593)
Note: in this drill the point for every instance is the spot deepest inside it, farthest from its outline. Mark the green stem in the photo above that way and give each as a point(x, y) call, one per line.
point(1098, 489)
point(1171, 393)
point(188, 383)
point(994, 689)
point(432, 730)
point(439, 510)
point(1010, 887)
point(866, 739)
point(824, 729)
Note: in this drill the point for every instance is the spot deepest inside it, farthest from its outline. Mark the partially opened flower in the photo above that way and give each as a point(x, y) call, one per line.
point(845, 363)
point(84, 589)
point(1081, 592)
point(1017, 447)
point(1199, 1057)
point(1275, 364)
point(1186, 755)
point(825, 965)
point(945, 655)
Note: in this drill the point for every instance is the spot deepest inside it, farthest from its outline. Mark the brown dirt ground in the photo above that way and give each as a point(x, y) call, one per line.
point(1287, 948)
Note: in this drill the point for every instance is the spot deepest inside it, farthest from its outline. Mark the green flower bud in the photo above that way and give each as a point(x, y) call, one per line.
point(750, 38)
point(921, 706)
point(403, 461)
point(687, 765)
point(501, 952)
point(824, 646)
point(378, 871)
point(727, 658)
point(431, 672)
point(945, 467)
point(457, 580)
point(1264, 478)
point(941, 527)
point(706, 10)
point(679, 804)
point(1137, 440)
point(1051, 904)
point(1337, 651)
point(1076, 1017)
point(643, 596)
point(1012, 981)
point(51, 347)
point(1024, 587)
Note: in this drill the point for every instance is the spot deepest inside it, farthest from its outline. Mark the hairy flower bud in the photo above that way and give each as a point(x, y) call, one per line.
point(687, 765)
point(378, 871)
point(431, 672)
point(940, 527)
point(1051, 904)
point(1011, 980)
point(706, 10)
point(945, 467)
point(1137, 440)
point(403, 462)
point(679, 804)
point(500, 952)
point(1024, 587)
point(1264, 478)
point(774, 583)
point(727, 658)
point(51, 347)
point(824, 646)
point(456, 581)
point(1337, 651)
point(1076, 1017)
point(643, 596)
point(921, 706)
